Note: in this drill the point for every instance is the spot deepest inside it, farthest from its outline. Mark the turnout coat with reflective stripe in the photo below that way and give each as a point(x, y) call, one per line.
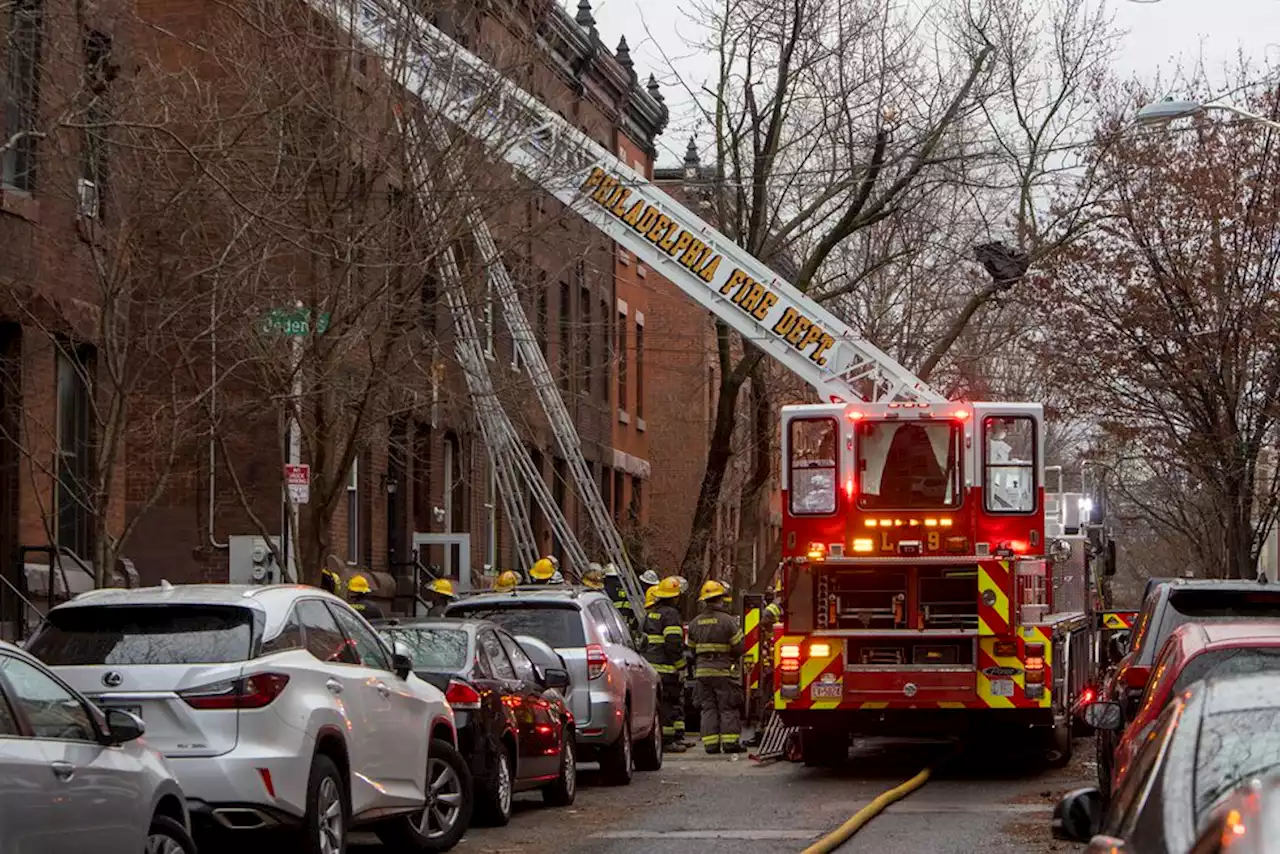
point(665, 636)
point(716, 641)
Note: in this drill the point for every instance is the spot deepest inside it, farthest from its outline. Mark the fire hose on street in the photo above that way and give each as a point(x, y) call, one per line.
point(858, 820)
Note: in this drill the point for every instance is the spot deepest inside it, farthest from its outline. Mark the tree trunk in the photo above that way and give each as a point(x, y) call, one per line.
point(749, 555)
point(718, 456)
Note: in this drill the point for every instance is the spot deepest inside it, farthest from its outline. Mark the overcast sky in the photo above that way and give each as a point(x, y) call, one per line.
point(1157, 34)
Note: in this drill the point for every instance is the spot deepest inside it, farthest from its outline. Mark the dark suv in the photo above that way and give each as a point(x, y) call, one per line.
point(1169, 604)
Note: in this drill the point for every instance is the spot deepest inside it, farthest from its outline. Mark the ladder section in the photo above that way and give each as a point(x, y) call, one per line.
point(711, 269)
point(544, 384)
point(508, 454)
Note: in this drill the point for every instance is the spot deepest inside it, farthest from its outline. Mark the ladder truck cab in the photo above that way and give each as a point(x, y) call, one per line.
point(919, 592)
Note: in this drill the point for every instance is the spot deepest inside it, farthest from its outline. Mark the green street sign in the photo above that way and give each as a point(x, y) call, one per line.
point(294, 322)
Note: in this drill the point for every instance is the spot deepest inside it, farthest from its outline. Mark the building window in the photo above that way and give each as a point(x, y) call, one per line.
point(565, 343)
point(455, 503)
point(606, 338)
point(491, 511)
point(639, 368)
point(588, 340)
point(543, 319)
point(622, 361)
point(430, 301)
point(21, 95)
point(606, 488)
point(93, 167)
point(560, 495)
point(637, 489)
point(75, 453)
point(353, 512)
point(619, 499)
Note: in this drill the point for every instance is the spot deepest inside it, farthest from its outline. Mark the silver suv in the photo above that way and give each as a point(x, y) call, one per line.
point(613, 691)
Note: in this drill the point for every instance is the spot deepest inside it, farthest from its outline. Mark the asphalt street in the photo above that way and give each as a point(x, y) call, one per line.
point(995, 799)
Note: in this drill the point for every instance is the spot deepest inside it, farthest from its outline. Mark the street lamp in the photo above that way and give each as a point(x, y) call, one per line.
point(1167, 110)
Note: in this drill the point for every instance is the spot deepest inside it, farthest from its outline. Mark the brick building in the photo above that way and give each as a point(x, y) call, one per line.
point(423, 475)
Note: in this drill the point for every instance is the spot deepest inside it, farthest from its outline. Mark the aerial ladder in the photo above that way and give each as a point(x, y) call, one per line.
point(455, 85)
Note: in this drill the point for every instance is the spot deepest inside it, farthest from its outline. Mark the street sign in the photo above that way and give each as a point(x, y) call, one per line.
point(294, 321)
point(297, 479)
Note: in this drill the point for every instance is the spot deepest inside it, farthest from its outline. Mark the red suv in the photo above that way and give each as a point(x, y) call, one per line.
point(1193, 652)
point(1169, 605)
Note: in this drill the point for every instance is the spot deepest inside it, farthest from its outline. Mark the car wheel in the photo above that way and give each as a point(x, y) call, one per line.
point(562, 792)
point(447, 814)
point(167, 836)
point(493, 799)
point(649, 751)
point(325, 825)
point(1103, 751)
point(616, 766)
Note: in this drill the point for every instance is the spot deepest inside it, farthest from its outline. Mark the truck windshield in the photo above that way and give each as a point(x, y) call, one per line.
point(909, 465)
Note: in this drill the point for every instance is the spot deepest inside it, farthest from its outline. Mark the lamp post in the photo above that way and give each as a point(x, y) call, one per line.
point(1169, 109)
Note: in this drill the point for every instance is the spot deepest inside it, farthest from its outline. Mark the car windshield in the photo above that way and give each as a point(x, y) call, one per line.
point(441, 650)
point(1207, 604)
point(146, 634)
point(1234, 746)
point(908, 465)
point(556, 625)
point(1226, 662)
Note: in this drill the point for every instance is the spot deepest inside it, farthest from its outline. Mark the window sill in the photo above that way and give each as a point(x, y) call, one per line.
point(19, 203)
point(640, 425)
point(623, 417)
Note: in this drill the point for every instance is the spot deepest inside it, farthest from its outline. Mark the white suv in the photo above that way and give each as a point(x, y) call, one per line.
point(276, 706)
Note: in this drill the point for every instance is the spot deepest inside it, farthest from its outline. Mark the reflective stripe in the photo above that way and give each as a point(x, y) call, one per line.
point(665, 668)
point(711, 647)
point(654, 639)
point(729, 738)
point(737, 637)
point(668, 730)
point(680, 726)
point(701, 671)
point(673, 630)
point(711, 739)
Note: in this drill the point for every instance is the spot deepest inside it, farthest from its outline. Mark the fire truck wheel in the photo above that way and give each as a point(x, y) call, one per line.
point(821, 748)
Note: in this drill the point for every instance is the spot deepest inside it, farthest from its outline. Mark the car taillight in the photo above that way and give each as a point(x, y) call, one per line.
point(1136, 677)
point(597, 662)
point(461, 695)
point(251, 692)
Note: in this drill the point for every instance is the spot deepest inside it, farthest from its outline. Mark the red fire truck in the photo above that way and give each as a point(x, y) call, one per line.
point(919, 592)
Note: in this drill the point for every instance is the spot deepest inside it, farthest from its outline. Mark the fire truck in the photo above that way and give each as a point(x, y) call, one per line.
point(920, 593)
point(921, 596)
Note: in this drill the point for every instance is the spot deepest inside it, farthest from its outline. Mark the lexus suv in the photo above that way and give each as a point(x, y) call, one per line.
point(276, 706)
point(613, 692)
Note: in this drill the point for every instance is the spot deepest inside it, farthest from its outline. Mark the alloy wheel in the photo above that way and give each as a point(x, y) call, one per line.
point(626, 748)
point(504, 784)
point(163, 843)
point(444, 800)
point(329, 814)
point(569, 766)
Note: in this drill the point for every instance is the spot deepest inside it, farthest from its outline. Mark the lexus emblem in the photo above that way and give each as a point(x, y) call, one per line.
point(112, 678)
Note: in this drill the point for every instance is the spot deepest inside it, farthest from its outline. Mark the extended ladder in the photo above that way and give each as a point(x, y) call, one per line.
point(739, 289)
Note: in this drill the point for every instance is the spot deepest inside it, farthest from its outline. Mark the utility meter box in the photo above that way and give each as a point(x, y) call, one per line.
point(252, 561)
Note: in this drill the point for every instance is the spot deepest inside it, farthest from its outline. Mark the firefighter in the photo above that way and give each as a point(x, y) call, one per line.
point(593, 578)
point(542, 571)
point(649, 578)
point(331, 582)
point(360, 598)
point(716, 639)
point(507, 580)
point(440, 594)
point(772, 611)
point(617, 594)
point(665, 651)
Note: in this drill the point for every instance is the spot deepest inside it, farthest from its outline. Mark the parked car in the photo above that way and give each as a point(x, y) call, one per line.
point(613, 692)
point(1193, 652)
point(75, 779)
point(514, 726)
point(1211, 739)
point(1168, 605)
point(277, 707)
point(1247, 822)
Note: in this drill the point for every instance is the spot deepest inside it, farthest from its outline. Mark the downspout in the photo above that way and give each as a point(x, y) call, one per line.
point(213, 408)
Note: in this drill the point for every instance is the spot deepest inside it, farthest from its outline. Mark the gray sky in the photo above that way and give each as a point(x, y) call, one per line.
point(1157, 34)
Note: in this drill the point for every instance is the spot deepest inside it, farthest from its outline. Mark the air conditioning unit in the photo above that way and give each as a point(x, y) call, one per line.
point(87, 195)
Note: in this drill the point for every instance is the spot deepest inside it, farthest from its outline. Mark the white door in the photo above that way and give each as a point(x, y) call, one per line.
point(449, 554)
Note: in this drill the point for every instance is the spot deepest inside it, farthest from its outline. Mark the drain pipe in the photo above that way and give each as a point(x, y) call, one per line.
point(213, 409)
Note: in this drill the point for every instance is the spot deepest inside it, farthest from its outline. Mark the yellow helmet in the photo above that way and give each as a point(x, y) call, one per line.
point(542, 570)
point(443, 586)
point(507, 580)
point(650, 596)
point(667, 588)
point(359, 584)
point(593, 578)
point(712, 590)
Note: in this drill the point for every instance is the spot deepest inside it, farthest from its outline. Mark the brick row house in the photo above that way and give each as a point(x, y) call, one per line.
point(421, 475)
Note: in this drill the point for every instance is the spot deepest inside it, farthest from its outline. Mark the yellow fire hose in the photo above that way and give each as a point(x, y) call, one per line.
point(845, 832)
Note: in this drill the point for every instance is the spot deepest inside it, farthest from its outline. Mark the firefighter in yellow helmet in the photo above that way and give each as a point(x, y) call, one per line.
point(543, 570)
point(331, 582)
point(665, 651)
point(360, 593)
point(593, 578)
point(617, 593)
point(439, 594)
point(716, 639)
point(508, 580)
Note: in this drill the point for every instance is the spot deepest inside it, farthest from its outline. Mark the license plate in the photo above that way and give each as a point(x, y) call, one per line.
point(1002, 687)
point(827, 691)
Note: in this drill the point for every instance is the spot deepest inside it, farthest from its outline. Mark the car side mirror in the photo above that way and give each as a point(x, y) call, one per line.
point(401, 664)
point(556, 677)
point(123, 727)
point(1078, 816)
point(1104, 716)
